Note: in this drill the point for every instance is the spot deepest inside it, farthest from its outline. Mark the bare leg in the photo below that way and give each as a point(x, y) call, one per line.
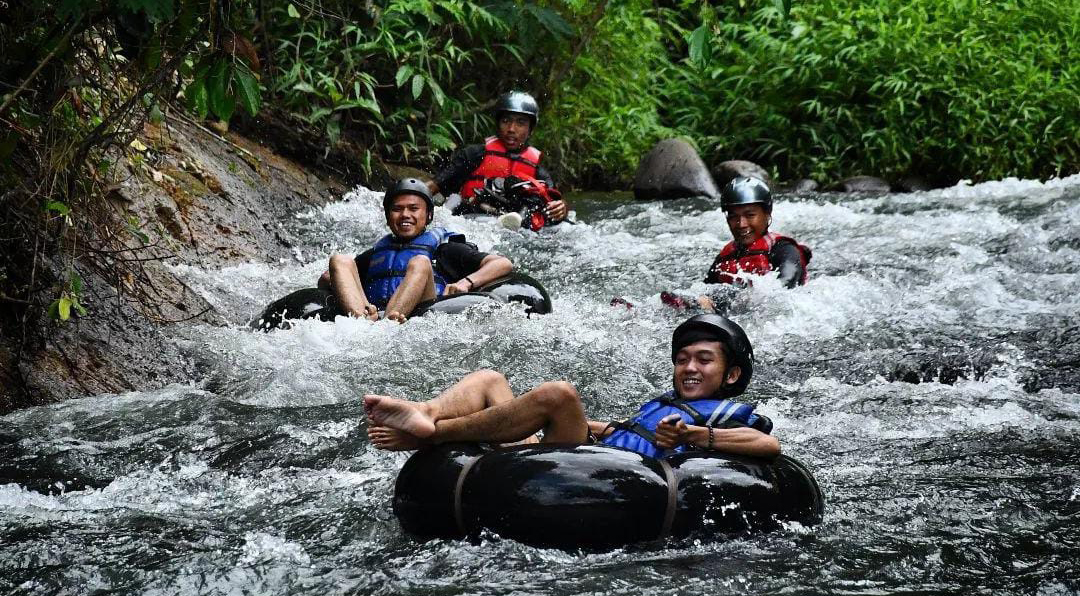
point(474, 392)
point(553, 407)
point(345, 281)
point(419, 284)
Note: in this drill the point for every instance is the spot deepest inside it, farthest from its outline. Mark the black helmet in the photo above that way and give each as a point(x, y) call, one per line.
point(745, 191)
point(722, 329)
point(519, 103)
point(409, 186)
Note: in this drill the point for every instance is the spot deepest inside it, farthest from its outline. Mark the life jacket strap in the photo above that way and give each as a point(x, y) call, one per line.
point(637, 428)
point(698, 417)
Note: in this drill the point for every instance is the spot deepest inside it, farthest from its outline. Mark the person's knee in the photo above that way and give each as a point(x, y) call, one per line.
point(556, 395)
point(419, 264)
point(324, 280)
point(490, 377)
point(340, 261)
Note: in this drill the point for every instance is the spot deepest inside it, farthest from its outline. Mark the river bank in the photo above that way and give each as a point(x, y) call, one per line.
point(185, 195)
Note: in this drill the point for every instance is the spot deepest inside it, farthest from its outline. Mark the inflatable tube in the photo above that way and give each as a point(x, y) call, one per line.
point(595, 496)
point(314, 303)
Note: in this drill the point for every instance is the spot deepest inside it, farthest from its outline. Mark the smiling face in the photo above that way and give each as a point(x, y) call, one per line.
point(701, 370)
point(748, 222)
point(514, 130)
point(407, 216)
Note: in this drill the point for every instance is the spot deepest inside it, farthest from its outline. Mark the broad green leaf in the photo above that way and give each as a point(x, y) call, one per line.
point(403, 74)
point(225, 107)
point(76, 283)
point(54, 310)
point(293, 12)
point(697, 43)
point(198, 98)
point(417, 86)
point(247, 90)
point(550, 20)
point(437, 92)
point(222, 101)
point(64, 308)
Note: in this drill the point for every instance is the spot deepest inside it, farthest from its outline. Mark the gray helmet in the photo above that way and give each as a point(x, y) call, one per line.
point(409, 186)
point(718, 328)
point(519, 103)
point(745, 191)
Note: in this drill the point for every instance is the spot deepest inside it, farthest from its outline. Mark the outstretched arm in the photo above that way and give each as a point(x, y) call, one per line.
point(491, 268)
point(673, 431)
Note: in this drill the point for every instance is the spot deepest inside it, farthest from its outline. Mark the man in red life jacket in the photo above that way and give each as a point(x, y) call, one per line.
point(508, 153)
point(754, 249)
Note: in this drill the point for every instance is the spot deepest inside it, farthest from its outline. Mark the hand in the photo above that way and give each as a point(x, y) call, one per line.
point(671, 432)
point(706, 303)
point(556, 210)
point(458, 287)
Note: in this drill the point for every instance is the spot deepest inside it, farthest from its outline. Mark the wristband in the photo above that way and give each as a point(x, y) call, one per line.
point(472, 284)
point(710, 438)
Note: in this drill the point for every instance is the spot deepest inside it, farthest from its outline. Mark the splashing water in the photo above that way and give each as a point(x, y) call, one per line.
point(927, 374)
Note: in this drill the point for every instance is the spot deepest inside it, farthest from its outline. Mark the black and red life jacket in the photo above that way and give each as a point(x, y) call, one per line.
point(754, 259)
point(499, 163)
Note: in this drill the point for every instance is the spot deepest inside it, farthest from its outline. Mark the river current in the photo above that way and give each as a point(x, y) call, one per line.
point(928, 374)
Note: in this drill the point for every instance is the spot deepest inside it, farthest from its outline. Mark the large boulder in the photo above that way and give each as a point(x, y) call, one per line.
point(726, 171)
point(863, 184)
point(673, 170)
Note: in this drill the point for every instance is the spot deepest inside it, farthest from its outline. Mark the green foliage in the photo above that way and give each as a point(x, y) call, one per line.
point(383, 76)
point(955, 89)
point(60, 309)
point(606, 112)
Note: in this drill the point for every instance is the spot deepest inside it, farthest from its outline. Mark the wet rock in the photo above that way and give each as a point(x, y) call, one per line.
point(805, 185)
point(726, 171)
point(863, 184)
point(1053, 348)
point(914, 183)
point(673, 170)
point(945, 367)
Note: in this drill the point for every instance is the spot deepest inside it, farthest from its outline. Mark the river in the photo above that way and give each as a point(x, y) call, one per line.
point(257, 477)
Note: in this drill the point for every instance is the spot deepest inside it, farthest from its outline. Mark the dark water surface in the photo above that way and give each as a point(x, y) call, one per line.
point(257, 478)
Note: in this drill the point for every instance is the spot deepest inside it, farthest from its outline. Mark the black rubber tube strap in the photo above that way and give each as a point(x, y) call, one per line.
point(672, 498)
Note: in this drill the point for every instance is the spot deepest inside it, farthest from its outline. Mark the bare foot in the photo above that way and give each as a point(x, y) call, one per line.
point(392, 439)
point(395, 316)
point(400, 414)
point(371, 312)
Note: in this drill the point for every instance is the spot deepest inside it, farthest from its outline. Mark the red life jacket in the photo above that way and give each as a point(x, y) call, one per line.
point(500, 163)
point(753, 259)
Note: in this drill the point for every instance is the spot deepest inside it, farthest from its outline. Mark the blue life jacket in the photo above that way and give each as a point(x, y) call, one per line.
point(391, 257)
point(638, 433)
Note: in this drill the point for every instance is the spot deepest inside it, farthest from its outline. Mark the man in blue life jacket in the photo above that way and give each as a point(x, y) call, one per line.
point(411, 264)
point(507, 154)
point(713, 362)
